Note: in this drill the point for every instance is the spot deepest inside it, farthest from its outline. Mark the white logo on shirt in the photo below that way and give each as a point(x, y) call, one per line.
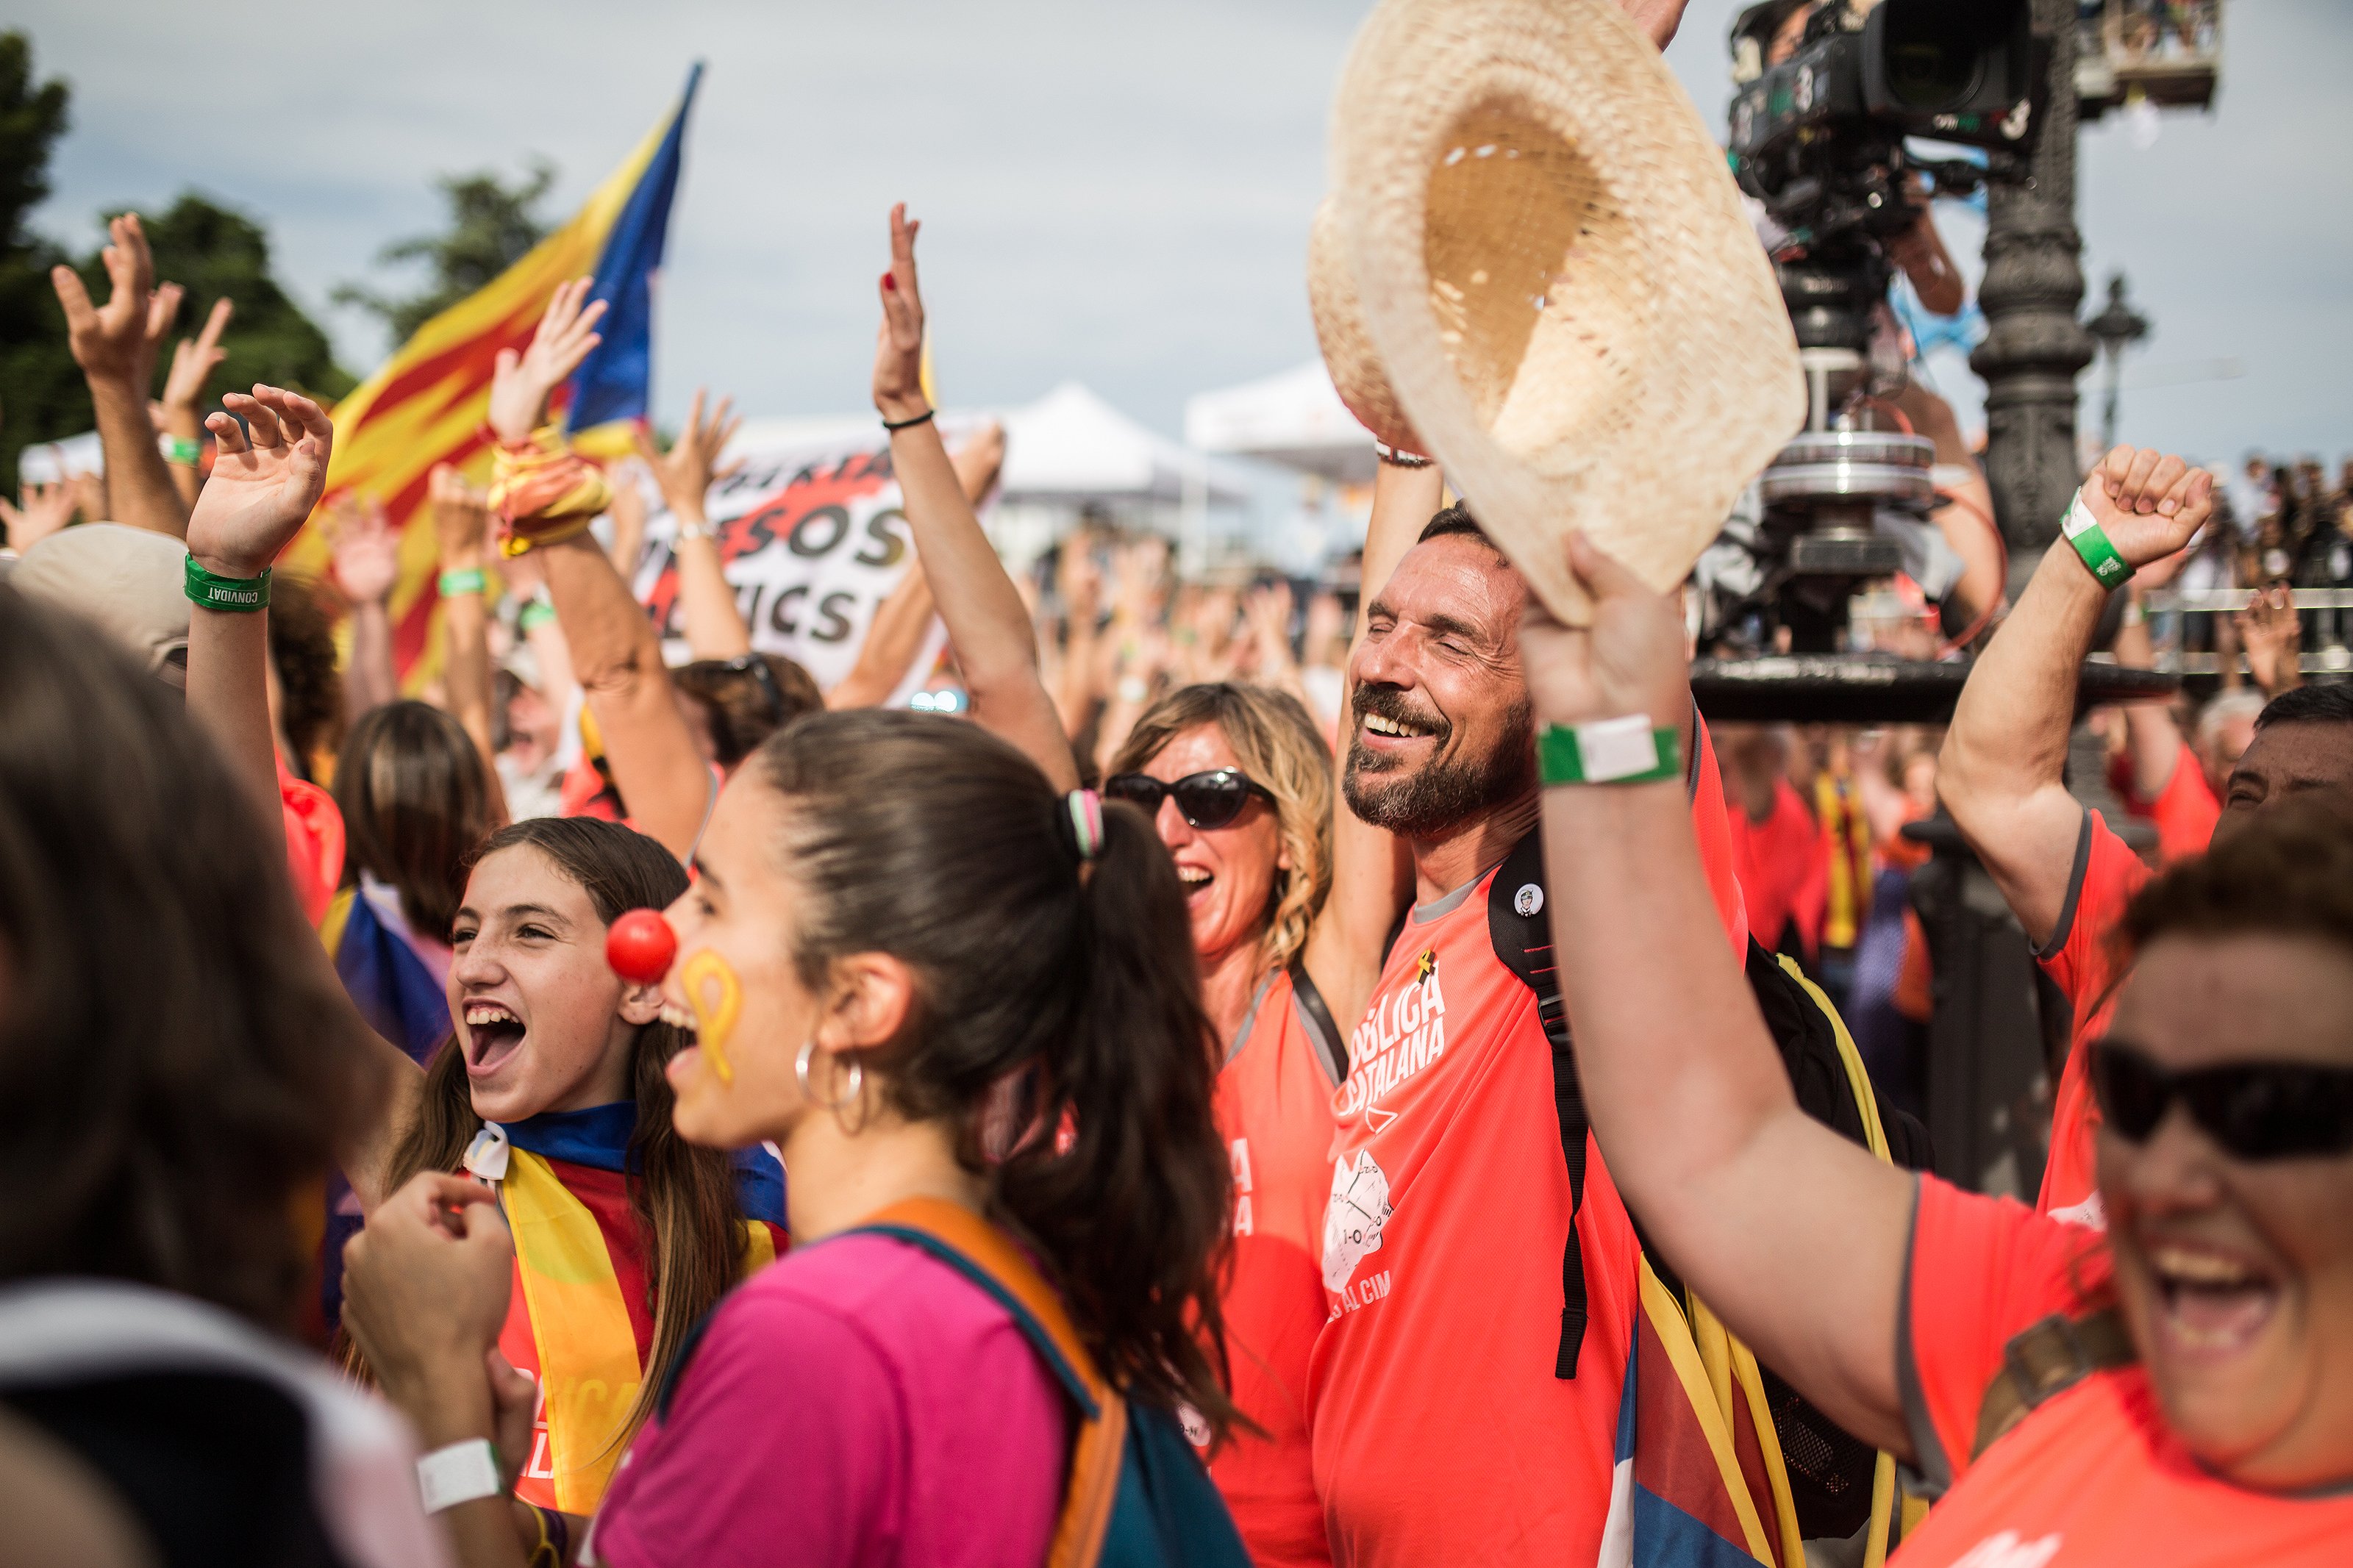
point(2005, 1550)
point(1353, 1219)
point(1404, 1033)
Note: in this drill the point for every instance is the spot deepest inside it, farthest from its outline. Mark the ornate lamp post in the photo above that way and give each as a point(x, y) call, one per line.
point(2117, 328)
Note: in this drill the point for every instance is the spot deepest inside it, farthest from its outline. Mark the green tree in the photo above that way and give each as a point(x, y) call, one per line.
point(491, 225)
point(198, 242)
point(36, 374)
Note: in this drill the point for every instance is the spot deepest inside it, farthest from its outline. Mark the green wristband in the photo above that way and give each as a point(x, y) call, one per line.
point(235, 595)
point(180, 450)
point(2091, 541)
point(1628, 750)
point(470, 581)
point(534, 614)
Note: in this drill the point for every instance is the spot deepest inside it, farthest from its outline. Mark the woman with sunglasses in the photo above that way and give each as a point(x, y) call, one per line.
point(1240, 784)
point(2179, 1390)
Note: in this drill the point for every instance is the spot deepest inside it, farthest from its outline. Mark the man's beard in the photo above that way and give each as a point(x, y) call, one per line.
point(1445, 792)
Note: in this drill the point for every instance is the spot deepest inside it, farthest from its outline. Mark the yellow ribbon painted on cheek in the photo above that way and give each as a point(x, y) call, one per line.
point(716, 996)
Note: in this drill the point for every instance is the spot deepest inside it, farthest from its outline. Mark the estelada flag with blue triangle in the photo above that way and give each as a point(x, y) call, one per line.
point(1697, 1459)
point(428, 403)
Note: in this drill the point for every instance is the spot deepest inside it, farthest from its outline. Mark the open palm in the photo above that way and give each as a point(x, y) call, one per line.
point(522, 384)
point(266, 477)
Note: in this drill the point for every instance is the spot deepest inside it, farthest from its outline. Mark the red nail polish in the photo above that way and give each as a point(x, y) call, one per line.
point(891, 282)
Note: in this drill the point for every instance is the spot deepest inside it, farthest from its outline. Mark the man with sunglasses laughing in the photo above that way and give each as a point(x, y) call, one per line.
point(2067, 877)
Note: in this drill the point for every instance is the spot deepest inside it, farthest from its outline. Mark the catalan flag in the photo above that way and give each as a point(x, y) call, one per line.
point(428, 403)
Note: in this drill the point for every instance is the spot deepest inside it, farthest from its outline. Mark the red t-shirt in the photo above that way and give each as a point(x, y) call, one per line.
point(2078, 958)
point(2093, 1476)
point(1784, 872)
point(2184, 812)
point(1274, 1111)
point(314, 842)
point(1439, 1431)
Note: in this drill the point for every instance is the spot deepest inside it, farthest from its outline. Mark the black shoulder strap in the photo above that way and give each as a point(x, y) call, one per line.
point(1331, 1046)
point(1522, 935)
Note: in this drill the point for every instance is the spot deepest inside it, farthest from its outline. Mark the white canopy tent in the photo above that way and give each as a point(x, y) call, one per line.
point(1294, 418)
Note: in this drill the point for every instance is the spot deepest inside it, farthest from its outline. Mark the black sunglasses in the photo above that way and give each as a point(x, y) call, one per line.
point(2255, 1110)
point(756, 666)
point(1204, 800)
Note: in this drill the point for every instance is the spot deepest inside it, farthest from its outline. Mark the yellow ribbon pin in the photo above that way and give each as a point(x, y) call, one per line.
point(716, 996)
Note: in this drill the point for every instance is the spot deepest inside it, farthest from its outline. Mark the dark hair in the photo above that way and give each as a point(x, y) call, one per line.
point(2308, 705)
point(303, 651)
point(1451, 522)
point(2288, 871)
point(416, 800)
point(932, 841)
point(177, 1068)
point(745, 708)
point(685, 1203)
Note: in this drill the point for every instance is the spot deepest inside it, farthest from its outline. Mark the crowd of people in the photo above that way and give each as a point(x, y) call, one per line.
point(1293, 1083)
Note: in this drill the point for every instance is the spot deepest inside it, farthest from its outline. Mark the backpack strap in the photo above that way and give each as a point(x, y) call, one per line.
point(2048, 1357)
point(988, 1258)
point(1331, 1046)
point(1522, 935)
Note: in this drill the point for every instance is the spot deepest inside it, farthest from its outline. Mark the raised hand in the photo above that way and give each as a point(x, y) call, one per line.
point(363, 549)
point(1631, 659)
point(522, 384)
point(194, 360)
point(2274, 636)
point(687, 469)
point(46, 509)
point(263, 484)
point(461, 518)
point(899, 344)
point(116, 342)
point(2147, 503)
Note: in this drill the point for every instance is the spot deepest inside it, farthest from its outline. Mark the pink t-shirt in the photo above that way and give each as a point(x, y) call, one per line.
point(858, 1402)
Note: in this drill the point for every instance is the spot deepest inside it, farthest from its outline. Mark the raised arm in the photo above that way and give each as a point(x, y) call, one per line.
point(194, 360)
point(2002, 771)
point(1765, 1213)
point(265, 478)
point(714, 623)
point(364, 554)
point(995, 643)
point(545, 498)
point(114, 343)
point(461, 526)
point(1372, 869)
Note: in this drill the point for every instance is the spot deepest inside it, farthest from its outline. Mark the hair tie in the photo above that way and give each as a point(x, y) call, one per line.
point(1085, 807)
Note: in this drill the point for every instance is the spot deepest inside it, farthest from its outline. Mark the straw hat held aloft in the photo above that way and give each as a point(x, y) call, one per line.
point(1534, 265)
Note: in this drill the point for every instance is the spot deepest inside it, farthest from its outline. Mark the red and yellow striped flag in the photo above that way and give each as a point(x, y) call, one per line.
point(428, 403)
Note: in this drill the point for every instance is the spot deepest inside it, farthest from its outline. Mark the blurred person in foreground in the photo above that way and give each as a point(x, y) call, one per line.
point(179, 1074)
point(2179, 1390)
point(2066, 874)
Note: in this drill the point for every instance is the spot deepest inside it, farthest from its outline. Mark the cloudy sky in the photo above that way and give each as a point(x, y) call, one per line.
point(1112, 192)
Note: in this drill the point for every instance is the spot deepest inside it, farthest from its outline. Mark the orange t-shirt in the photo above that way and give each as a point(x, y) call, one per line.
point(1783, 871)
point(1274, 1111)
point(1439, 1431)
point(2093, 1476)
point(2078, 958)
point(314, 842)
point(2184, 812)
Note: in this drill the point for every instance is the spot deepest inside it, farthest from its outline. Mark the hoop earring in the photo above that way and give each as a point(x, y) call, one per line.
point(801, 1072)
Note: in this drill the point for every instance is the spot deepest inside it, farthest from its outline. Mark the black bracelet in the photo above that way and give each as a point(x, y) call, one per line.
point(922, 419)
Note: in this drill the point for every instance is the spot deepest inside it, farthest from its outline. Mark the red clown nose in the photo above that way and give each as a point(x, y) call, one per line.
point(640, 947)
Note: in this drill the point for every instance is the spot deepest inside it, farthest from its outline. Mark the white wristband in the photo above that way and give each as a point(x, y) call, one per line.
point(458, 1473)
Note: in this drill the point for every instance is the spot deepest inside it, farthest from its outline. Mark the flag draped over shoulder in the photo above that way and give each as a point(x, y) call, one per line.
point(428, 403)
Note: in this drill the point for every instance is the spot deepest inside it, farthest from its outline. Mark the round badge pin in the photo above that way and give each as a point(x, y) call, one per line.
point(1528, 899)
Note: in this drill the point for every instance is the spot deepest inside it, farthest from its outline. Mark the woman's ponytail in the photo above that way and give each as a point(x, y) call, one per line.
point(1051, 951)
point(1133, 1193)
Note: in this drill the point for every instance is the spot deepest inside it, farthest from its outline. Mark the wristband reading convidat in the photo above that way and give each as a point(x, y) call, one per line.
point(238, 596)
point(463, 580)
point(1626, 750)
point(458, 1473)
point(180, 449)
point(2091, 541)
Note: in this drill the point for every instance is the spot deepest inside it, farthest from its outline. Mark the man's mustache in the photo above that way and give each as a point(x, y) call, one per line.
point(1391, 702)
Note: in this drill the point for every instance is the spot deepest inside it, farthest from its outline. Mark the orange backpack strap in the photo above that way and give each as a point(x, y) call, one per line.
point(2048, 1357)
point(988, 1258)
